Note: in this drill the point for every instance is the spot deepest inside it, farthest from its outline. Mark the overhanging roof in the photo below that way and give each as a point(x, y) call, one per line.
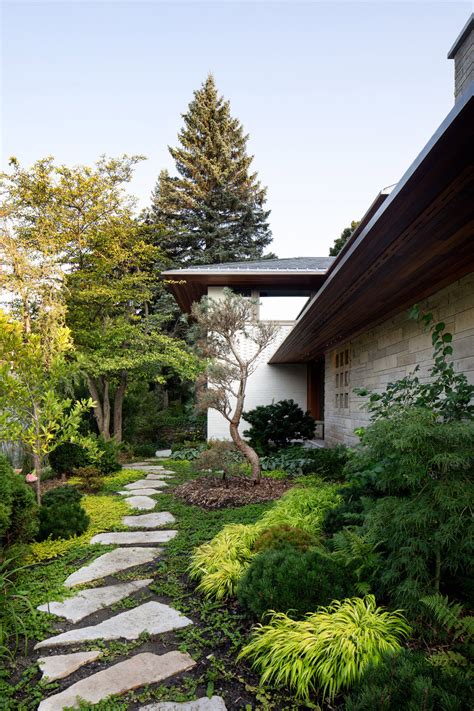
point(420, 239)
point(298, 273)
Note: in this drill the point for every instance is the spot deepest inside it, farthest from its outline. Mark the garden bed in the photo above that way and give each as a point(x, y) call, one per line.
point(212, 492)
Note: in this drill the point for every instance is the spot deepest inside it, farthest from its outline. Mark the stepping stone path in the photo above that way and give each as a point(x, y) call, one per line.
point(92, 600)
point(140, 670)
point(133, 538)
point(61, 665)
point(136, 547)
point(143, 503)
point(153, 520)
point(215, 703)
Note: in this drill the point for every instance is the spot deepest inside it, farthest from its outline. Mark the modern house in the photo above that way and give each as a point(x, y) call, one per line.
point(344, 320)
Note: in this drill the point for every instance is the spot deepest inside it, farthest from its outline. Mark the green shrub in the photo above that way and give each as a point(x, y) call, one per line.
point(292, 581)
point(61, 514)
point(282, 536)
point(275, 426)
point(145, 450)
point(329, 462)
point(330, 650)
point(219, 457)
point(18, 509)
point(91, 480)
point(406, 680)
point(108, 462)
point(67, 457)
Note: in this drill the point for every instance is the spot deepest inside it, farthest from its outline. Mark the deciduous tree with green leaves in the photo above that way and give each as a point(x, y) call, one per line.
point(214, 211)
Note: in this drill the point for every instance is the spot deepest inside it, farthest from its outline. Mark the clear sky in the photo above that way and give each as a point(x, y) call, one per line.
point(338, 97)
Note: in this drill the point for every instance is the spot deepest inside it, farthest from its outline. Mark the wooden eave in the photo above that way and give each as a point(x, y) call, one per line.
point(190, 286)
point(418, 241)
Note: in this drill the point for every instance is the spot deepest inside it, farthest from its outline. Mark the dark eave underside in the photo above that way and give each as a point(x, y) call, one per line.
point(419, 240)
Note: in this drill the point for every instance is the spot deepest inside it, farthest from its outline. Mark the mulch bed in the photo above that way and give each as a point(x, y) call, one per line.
point(213, 492)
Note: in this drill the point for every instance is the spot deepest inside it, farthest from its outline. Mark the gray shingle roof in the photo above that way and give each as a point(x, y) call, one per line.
point(292, 264)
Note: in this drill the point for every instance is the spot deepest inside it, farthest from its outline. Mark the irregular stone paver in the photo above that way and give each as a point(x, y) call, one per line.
point(130, 538)
point(140, 670)
point(112, 562)
point(153, 520)
point(215, 703)
point(144, 483)
point(152, 617)
point(139, 492)
point(142, 503)
point(157, 477)
point(163, 453)
point(61, 665)
point(144, 465)
point(93, 599)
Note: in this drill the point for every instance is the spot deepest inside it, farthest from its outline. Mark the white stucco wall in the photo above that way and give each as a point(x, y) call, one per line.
point(269, 383)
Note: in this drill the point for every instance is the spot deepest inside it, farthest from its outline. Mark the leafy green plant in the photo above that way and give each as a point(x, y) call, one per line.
point(359, 557)
point(292, 581)
point(18, 510)
point(303, 507)
point(283, 536)
point(90, 479)
point(329, 462)
point(328, 651)
point(108, 462)
point(67, 457)
point(275, 426)
point(219, 457)
point(13, 603)
point(61, 514)
point(406, 680)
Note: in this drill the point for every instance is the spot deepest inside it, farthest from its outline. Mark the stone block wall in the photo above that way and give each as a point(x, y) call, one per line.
point(390, 351)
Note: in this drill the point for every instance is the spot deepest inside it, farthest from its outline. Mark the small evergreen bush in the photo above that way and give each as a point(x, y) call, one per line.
point(292, 581)
point(108, 463)
point(90, 479)
point(67, 457)
point(283, 536)
point(18, 509)
point(406, 680)
point(220, 457)
point(275, 426)
point(61, 514)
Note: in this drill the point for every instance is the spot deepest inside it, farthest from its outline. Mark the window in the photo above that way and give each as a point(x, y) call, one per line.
point(342, 379)
point(281, 304)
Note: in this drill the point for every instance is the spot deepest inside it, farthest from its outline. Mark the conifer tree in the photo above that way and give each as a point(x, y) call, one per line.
point(214, 210)
point(342, 239)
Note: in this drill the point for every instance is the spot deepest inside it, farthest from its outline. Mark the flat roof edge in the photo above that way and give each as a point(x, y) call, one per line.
point(461, 36)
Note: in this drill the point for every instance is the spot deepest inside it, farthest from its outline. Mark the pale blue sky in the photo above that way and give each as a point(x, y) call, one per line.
point(338, 98)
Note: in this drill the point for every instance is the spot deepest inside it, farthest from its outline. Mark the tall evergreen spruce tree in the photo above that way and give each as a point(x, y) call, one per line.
point(214, 211)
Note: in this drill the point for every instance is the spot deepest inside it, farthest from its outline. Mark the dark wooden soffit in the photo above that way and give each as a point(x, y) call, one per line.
point(191, 287)
point(420, 240)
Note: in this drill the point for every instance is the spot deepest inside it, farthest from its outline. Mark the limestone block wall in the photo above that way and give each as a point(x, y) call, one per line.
point(269, 383)
point(390, 351)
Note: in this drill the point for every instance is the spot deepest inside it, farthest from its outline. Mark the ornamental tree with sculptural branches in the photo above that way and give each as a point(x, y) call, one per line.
point(223, 326)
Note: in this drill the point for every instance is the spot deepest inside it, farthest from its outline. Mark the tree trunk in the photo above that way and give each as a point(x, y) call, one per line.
point(249, 453)
point(101, 409)
point(118, 403)
point(38, 471)
point(106, 409)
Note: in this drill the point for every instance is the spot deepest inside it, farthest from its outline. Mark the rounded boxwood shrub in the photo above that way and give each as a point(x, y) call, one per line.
point(293, 581)
point(406, 680)
point(61, 514)
point(18, 509)
point(108, 463)
point(67, 457)
point(277, 537)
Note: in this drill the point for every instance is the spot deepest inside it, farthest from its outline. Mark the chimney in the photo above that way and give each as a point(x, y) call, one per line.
point(462, 52)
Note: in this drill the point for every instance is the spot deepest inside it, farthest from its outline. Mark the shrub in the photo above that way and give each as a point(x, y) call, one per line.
point(283, 536)
point(220, 457)
point(329, 462)
point(90, 479)
point(145, 450)
point(406, 680)
point(108, 462)
point(61, 514)
point(274, 426)
point(291, 581)
point(67, 457)
point(329, 650)
point(18, 509)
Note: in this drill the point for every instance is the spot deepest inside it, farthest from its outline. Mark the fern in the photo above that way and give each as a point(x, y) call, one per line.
point(450, 616)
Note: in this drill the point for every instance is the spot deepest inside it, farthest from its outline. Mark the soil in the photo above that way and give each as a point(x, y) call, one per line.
point(212, 492)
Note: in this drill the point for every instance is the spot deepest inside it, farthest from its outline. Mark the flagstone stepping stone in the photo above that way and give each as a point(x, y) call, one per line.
point(139, 492)
point(139, 670)
point(158, 477)
point(144, 483)
point(153, 520)
point(61, 665)
point(130, 538)
point(215, 703)
point(143, 503)
point(111, 563)
point(152, 617)
point(163, 453)
point(144, 465)
point(91, 600)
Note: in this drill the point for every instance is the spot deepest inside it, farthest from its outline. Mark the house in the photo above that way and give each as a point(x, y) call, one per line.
point(344, 320)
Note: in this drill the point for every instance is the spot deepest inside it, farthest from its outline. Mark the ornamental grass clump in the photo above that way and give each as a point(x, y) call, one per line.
point(303, 508)
point(329, 650)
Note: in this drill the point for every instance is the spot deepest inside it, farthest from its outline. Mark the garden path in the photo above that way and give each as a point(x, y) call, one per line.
point(136, 547)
